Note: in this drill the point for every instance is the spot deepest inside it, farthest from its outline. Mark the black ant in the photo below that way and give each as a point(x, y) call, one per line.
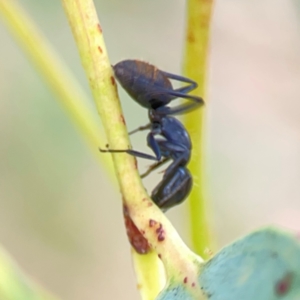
point(168, 138)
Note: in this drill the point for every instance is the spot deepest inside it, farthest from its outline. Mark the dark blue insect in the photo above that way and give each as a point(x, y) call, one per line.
point(168, 138)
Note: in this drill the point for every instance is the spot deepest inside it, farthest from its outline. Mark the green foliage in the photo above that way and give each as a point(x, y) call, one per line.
point(264, 265)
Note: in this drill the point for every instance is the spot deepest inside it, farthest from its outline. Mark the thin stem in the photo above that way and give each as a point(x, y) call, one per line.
point(199, 14)
point(146, 267)
point(88, 35)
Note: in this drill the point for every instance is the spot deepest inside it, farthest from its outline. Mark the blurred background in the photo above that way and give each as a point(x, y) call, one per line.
point(60, 214)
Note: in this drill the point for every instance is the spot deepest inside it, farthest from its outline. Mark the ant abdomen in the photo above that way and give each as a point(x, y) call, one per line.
point(146, 84)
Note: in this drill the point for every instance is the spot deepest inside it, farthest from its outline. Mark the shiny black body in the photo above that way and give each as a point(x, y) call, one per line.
point(167, 137)
point(173, 189)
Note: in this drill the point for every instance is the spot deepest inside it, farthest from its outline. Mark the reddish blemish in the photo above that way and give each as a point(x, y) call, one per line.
point(284, 284)
point(185, 280)
point(135, 237)
point(135, 163)
point(161, 237)
point(142, 232)
point(160, 233)
point(112, 79)
point(193, 284)
point(159, 255)
point(152, 223)
point(122, 119)
point(99, 28)
point(100, 49)
point(204, 23)
point(149, 203)
point(190, 37)
point(158, 230)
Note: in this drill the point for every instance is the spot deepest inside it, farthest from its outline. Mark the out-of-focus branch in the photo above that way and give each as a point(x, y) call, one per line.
point(199, 13)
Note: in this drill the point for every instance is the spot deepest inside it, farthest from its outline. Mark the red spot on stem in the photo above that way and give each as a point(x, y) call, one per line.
point(112, 79)
point(100, 49)
point(152, 222)
point(160, 233)
point(148, 203)
point(190, 37)
point(122, 119)
point(99, 28)
point(135, 237)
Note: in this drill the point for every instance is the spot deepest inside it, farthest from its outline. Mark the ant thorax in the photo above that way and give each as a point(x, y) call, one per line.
point(153, 116)
point(155, 128)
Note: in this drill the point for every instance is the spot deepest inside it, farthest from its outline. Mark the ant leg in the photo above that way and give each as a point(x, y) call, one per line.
point(181, 161)
point(145, 127)
point(180, 109)
point(186, 89)
point(155, 166)
point(167, 147)
point(152, 143)
point(130, 152)
point(182, 93)
point(185, 107)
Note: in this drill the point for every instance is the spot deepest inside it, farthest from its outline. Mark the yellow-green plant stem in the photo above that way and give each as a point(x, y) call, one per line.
point(148, 218)
point(88, 35)
point(56, 75)
point(195, 66)
point(146, 266)
point(14, 285)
